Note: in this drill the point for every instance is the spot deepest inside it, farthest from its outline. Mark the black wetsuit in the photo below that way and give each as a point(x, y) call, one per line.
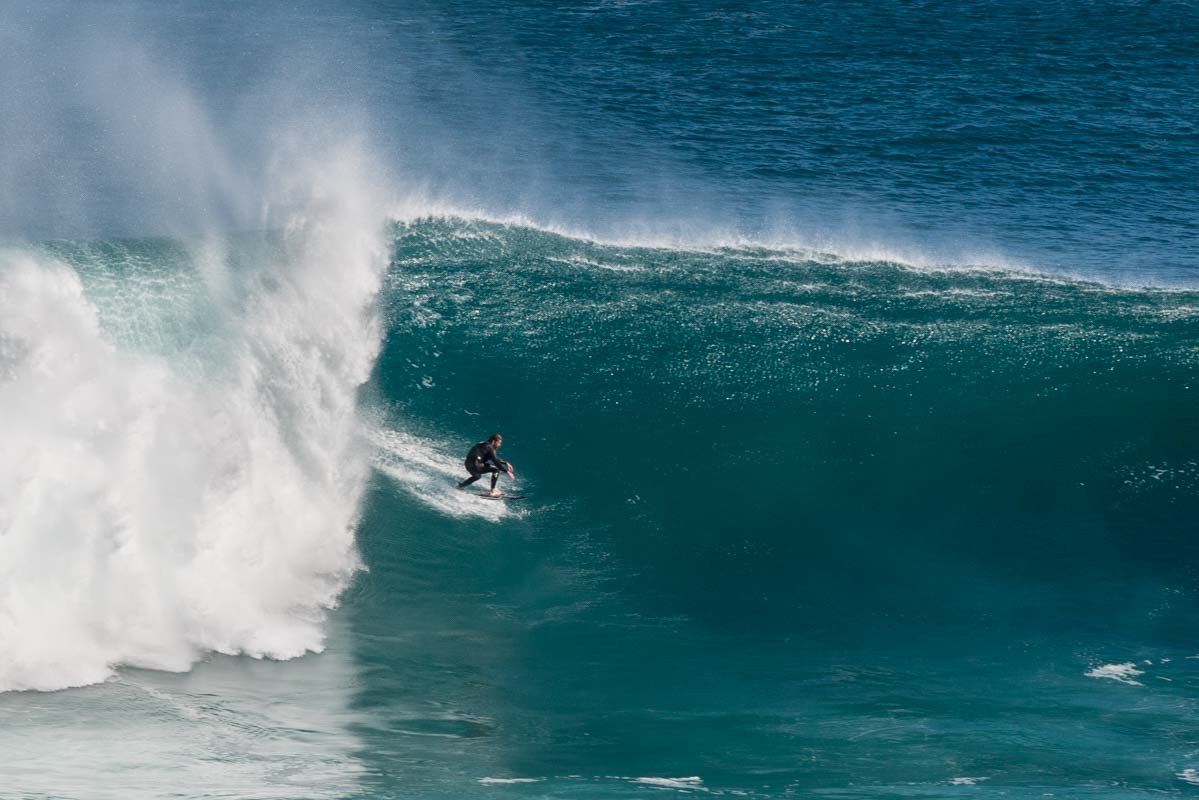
point(480, 460)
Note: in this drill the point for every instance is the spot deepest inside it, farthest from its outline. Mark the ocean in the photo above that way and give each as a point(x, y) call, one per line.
point(847, 355)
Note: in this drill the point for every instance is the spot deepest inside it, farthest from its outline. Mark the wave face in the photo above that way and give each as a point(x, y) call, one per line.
point(902, 521)
point(182, 470)
point(791, 436)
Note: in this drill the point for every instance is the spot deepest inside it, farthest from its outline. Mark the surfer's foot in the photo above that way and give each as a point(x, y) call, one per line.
point(494, 493)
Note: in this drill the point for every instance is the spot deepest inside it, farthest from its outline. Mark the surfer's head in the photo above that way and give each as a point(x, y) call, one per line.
point(496, 439)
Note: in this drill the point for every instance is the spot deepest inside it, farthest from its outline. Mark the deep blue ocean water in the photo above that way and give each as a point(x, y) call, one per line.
point(847, 354)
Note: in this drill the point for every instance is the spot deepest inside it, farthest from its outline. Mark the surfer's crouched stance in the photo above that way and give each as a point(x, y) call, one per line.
point(482, 459)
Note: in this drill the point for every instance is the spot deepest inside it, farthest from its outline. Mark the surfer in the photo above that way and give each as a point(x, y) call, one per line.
point(482, 458)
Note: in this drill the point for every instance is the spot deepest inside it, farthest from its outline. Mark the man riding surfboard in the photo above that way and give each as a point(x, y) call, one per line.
point(482, 459)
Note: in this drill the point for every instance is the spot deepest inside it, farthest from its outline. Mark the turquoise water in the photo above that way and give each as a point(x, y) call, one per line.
point(847, 356)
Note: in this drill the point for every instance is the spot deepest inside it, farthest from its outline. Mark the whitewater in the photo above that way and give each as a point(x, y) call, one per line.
point(163, 502)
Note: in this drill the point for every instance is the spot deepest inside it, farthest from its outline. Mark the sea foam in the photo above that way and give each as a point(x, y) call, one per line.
point(156, 508)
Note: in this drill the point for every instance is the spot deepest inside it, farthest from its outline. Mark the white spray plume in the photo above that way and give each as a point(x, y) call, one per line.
point(152, 510)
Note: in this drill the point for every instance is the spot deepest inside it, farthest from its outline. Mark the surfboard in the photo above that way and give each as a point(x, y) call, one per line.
point(487, 496)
